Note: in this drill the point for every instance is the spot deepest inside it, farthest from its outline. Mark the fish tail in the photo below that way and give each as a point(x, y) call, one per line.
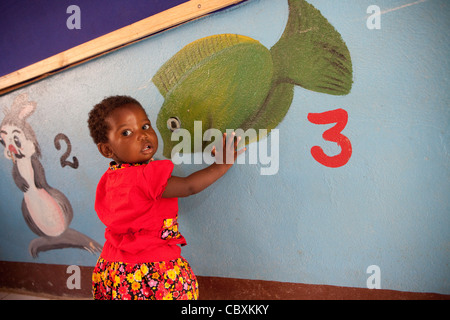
point(311, 53)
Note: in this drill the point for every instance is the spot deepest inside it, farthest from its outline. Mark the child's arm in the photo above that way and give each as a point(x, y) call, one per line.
point(178, 187)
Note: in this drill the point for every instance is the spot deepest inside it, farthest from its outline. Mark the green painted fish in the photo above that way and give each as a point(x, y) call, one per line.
point(231, 81)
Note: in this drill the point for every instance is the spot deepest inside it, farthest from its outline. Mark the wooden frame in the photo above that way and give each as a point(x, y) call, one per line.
point(132, 33)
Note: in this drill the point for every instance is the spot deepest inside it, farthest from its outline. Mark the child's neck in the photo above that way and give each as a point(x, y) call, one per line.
point(121, 164)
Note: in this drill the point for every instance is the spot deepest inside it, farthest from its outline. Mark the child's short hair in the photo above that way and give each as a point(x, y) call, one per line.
point(98, 127)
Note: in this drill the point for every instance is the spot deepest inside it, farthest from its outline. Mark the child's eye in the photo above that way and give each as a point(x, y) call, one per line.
point(146, 126)
point(126, 133)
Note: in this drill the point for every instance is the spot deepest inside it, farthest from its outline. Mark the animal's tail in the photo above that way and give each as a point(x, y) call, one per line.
point(311, 53)
point(69, 239)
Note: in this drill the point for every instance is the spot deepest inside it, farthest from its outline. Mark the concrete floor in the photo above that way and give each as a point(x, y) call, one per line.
point(5, 295)
point(24, 295)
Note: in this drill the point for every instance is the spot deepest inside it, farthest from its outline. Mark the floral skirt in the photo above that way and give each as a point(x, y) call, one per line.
point(166, 280)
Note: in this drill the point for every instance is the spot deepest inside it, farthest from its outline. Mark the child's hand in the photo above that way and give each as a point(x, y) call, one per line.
point(198, 181)
point(228, 153)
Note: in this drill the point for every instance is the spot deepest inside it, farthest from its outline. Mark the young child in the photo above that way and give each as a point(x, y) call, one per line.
point(136, 199)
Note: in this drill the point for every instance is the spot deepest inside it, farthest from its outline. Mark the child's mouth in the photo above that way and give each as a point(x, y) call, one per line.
point(147, 148)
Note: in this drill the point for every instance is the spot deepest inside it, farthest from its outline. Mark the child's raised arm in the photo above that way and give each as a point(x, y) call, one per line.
point(178, 187)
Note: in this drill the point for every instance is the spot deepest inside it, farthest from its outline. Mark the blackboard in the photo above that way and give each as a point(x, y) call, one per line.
point(32, 30)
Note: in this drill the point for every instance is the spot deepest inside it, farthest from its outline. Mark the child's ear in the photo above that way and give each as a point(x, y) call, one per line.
point(105, 150)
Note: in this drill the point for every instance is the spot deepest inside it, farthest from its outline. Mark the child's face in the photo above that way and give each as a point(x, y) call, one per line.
point(131, 138)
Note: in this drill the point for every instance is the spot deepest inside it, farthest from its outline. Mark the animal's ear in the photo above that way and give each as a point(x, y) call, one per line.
point(22, 108)
point(105, 150)
point(27, 110)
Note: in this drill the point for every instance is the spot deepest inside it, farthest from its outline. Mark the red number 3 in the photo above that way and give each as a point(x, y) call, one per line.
point(340, 117)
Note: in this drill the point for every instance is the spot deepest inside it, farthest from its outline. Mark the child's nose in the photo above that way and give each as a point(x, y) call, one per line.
point(142, 135)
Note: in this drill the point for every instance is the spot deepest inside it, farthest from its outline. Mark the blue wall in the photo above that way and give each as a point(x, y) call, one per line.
point(388, 206)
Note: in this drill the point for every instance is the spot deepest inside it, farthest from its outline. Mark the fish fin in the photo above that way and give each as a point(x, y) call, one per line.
point(274, 108)
point(311, 53)
point(189, 57)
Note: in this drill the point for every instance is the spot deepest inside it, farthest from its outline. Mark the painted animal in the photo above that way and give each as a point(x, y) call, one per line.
point(232, 81)
point(46, 210)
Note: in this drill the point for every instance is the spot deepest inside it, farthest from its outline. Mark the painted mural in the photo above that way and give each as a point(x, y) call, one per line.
point(46, 210)
point(360, 103)
point(253, 86)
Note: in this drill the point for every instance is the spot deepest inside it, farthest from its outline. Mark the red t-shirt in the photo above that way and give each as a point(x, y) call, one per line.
point(141, 226)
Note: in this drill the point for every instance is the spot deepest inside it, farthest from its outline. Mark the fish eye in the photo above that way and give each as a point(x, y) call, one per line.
point(173, 124)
